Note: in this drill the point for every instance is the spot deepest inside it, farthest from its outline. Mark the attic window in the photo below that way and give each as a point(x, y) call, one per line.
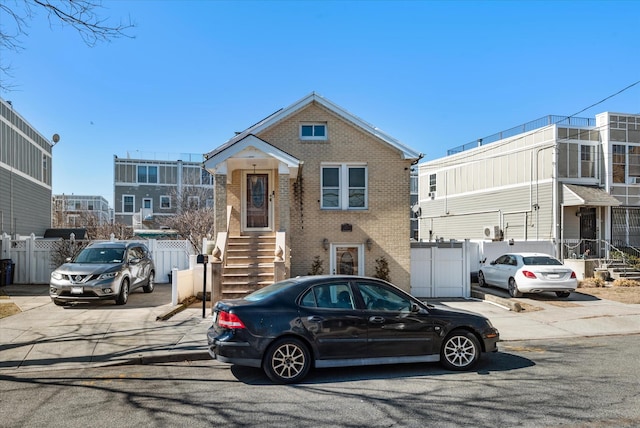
point(313, 131)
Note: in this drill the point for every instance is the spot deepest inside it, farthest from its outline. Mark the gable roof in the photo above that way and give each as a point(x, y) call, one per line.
point(284, 113)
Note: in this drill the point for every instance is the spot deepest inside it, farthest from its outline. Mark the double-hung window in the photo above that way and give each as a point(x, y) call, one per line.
point(127, 203)
point(344, 187)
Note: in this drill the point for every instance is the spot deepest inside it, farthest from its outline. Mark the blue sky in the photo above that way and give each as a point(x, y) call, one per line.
point(432, 74)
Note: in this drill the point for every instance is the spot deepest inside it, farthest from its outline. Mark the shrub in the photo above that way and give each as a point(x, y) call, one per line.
point(316, 266)
point(625, 282)
point(382, 269)
point(65, 249)
point(594, 282)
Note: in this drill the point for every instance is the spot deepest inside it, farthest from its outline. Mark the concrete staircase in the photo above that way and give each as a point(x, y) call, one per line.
point(621, 270)
point(248, 264)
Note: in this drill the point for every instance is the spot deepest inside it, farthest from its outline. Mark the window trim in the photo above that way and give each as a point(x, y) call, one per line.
point(343, 186)
point(314, 137)
point(146, 173)
point(167, 198)
point(133, 204)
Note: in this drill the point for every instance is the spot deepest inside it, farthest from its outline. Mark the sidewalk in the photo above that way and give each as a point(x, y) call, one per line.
point(46, 337)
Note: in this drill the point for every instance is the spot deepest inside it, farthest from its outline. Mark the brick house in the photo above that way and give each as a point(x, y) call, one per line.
point(311, 182)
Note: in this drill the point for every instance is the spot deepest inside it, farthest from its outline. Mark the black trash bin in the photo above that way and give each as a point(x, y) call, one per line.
point(6, 271)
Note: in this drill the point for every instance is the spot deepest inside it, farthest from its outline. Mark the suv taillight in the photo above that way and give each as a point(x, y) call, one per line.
point(227, 320)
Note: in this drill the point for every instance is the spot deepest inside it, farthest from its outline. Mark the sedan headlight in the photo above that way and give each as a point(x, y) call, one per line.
point(108, 275)
point(56, 275)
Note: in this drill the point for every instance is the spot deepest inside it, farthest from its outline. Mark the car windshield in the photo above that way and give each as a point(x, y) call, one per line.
point(100, 255)
point(269, 290)
point(541, 260)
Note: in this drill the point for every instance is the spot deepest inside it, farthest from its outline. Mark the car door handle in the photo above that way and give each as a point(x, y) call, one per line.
point(376, 319)
point(315, 318)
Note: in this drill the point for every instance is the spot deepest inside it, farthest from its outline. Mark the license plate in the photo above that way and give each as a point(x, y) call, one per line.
point(553, 276)
point(77, 290)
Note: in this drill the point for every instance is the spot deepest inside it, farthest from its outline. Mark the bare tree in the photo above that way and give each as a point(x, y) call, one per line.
point(97, 230)
point(193, 225)
point(194, 218)
point(82, 15)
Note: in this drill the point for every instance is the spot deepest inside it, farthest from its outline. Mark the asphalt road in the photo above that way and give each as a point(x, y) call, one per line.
point(582, 382)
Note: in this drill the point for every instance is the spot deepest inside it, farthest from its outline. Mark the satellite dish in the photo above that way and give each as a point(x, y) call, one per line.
point(55, 138)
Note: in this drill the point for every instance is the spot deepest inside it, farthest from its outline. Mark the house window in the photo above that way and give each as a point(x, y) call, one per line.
point(127, 203)
point(147, 174)
point(587, 161)
point(206, 177)
point(313, 131)
point(165, 202)
point(432, 183)
point(193, 202)
point(344, 187)
point(619, 161)
point(634, 162)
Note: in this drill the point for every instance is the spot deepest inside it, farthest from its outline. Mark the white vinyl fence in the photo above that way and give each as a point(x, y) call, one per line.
point(32, 261)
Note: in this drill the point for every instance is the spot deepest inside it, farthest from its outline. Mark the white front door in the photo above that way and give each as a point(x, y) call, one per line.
point(347, 259)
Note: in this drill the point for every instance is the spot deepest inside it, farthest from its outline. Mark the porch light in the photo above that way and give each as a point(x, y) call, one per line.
point(368, 243)
point(325, 244)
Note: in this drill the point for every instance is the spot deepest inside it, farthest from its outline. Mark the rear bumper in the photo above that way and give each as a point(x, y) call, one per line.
point(228, 350)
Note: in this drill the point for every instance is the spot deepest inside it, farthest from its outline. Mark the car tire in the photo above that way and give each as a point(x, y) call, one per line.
point(460, 350)
point(563, 293)
point(513, 288)
point(481, 281)
point(150, 283)
point(124, 292)
point(287, 361)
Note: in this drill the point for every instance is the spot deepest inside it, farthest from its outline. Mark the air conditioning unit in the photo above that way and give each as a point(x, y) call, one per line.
point(491, 232)
point(634, 180)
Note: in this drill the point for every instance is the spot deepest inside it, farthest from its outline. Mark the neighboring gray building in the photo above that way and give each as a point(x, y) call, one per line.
point(145, 190)
point(572, 181)
point(25, 175)
point(71, 211)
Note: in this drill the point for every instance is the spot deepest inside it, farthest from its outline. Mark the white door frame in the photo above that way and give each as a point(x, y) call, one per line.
point(333, 261)
point(270, 196)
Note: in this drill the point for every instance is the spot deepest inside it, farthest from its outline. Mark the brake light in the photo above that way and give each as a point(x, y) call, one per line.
point(529, 274)
point(573, 274)
point(227, 320)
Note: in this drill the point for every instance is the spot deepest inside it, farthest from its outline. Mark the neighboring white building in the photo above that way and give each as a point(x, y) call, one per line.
point(71, 211)
point(561, 179)
point(146, 189)
point(25, 175)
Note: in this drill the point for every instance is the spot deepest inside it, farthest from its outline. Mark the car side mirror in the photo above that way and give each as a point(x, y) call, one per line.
point(415, 308)
point(493, 263)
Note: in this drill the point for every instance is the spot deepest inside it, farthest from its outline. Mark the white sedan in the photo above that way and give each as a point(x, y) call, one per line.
point(528, 273)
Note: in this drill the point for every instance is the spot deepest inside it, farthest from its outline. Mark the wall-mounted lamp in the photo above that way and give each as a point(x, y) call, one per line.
point(511, 242)
point(368, 243)
point(325, 244)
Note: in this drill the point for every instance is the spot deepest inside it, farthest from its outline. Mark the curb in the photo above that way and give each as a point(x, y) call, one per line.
point(507, 303)
point(181, 307)
point(177, 357)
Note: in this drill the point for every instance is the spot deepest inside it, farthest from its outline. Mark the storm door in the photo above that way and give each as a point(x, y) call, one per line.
point(347, 260)
point(587, 230)
point(257, 198)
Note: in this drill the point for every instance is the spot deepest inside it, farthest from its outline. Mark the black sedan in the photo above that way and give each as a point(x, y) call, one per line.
point(334, 321)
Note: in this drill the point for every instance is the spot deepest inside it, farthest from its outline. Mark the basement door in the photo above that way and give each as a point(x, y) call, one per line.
point(257, 202)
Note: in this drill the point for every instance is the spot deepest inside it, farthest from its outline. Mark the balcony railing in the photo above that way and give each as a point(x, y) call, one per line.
point(526, 127)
